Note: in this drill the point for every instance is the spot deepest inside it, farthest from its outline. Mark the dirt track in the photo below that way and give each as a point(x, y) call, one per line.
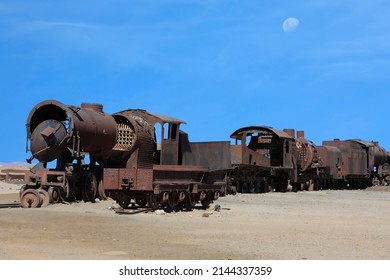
point(305, 225)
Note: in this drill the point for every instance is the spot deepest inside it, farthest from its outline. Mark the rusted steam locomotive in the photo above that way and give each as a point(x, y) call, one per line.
point(125, 159)
point(146, 159)
point(265, 159)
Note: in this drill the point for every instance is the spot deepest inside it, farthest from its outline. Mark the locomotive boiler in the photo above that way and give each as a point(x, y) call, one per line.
point(98, 153)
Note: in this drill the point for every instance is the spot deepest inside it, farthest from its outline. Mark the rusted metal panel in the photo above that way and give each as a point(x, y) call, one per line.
point(354, 157)
point(169, 151)
point(128, 179)
point(331, 157)
point(236, 154)
point(255, 129)
point(52, 177)
point(111, 179)
point(180, 174)
point(46, 177)
point(214, 155)
point(164, 119)
point(144, 180)
point(151, 118)
point(180, 168)
point(261, 157)
point(363, 143)
point(377, 155)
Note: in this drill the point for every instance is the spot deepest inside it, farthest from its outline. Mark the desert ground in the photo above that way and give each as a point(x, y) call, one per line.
point(330, 224)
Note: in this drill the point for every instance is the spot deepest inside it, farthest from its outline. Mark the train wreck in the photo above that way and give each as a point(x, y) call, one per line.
point(145, 159)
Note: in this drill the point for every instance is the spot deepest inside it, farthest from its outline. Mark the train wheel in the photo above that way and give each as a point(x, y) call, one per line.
point(266, 187)
point(375, 182)
point(45, 198)
point(152, 201)
point(202, 195)
point(170, 203)
point(181, 197)
point(206, 201)
point(64, 192)
point(54, 195)
point(314, 185)
point(101, 193)
point(123, 200)
point(216, 195)
point(245, 188)
point(22, 189)
point(90, 188)
point(30, 198)
point(191, 201)
point(141, 202)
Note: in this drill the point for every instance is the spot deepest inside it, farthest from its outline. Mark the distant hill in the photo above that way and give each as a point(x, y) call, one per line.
point(15, 164)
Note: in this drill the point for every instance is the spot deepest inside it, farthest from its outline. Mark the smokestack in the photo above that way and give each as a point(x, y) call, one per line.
point(300, 134)
point(290, 132)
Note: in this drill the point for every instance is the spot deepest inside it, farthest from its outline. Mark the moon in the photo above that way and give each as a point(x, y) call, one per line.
point(290, 24)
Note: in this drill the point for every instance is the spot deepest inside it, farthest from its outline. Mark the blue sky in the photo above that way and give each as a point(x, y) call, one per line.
point(217, 64)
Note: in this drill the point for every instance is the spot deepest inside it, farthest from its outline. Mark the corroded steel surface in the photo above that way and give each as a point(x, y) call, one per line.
point(53, 126)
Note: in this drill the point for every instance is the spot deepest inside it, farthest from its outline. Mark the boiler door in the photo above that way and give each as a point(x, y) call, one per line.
point(48, 140)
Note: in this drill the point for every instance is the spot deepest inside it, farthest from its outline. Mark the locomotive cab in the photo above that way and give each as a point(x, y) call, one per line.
point(263, 157)
point(169, 141)
point(262, 146)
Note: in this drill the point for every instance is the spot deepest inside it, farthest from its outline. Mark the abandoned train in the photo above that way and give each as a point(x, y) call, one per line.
point(146, 159)
point(265, 159)
point(125, 159)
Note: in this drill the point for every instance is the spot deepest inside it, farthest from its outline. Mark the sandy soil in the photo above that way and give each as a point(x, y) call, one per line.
point(305, 225)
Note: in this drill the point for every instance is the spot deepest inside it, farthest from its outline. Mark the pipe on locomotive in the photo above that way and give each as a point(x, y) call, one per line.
point(55, 129)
